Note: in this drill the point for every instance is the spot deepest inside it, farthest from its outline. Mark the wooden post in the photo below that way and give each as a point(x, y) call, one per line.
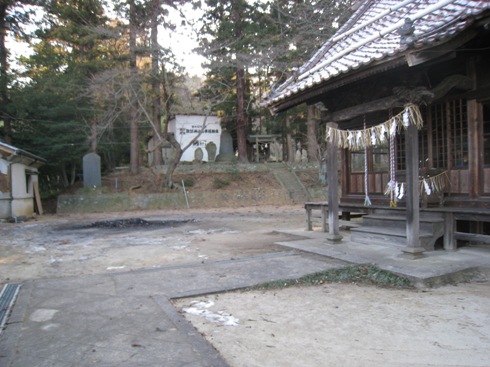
point(450, 243)
point(333, 191)
point(37, 198)
point(475, 162)
point(309, 226)
point(412, 192)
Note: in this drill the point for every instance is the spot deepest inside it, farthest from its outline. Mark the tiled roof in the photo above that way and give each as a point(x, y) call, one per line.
point(372, 34)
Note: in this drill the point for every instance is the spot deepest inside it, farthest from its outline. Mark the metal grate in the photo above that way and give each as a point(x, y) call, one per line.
point(7, 300)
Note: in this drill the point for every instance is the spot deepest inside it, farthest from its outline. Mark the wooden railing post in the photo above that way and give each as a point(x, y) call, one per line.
point(333, 191)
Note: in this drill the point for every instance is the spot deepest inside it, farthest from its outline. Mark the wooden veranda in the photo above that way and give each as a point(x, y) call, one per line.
point(432, 55)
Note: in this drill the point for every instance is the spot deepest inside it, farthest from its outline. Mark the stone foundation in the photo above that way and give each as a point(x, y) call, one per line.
point(126, 202)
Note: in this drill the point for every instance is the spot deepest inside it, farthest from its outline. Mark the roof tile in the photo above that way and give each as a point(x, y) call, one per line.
point(365, 39)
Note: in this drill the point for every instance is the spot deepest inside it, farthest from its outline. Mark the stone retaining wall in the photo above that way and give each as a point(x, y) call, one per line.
point(129, 201)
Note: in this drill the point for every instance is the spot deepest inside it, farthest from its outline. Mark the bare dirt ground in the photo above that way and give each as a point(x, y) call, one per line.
point(325, 325)
point(68, 245)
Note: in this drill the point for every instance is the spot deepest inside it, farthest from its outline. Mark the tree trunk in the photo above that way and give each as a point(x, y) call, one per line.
point(172, 165)
point(311, 125)
point(73, 174)
point(64, 177)
point(289, 141)
point(4, 100)
point(174, 161)
point(241, 119)
point(133, 128)
point(155, 83)
point(93, 136)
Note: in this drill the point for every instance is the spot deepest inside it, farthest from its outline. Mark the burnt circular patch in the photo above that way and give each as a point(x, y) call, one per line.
point(135, 223)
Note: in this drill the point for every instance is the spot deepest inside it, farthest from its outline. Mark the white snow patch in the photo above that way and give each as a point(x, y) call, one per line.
point(42, 315)
point(201, 308)
point(180, 247)
point(115, 267)
point(35, 249)
point(212, 231)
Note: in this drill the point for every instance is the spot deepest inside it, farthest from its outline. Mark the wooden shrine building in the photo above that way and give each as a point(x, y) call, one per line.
point(404, 88)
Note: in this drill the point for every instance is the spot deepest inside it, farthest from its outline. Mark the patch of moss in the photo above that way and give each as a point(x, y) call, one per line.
point(357, 274)
point(189, 181)
point(219, 183)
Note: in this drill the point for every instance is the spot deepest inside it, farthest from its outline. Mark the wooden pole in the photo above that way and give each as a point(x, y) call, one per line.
point(333, 191)
point(412, 192)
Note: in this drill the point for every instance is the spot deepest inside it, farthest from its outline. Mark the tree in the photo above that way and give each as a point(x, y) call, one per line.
point(52, 113)
point(13, 14)
point(295, 30)
point(48, 122)
point(249, 44)
point(227, 41)
point(145, 17)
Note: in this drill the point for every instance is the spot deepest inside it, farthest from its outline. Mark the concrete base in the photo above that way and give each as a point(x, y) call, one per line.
point(334, 237)
point(413, 252)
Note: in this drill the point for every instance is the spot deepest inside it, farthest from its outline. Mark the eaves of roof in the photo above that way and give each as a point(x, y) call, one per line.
point(13, 154)
point(377, 34)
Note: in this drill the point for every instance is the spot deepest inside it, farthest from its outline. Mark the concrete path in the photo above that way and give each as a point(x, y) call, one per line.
point(126, 319)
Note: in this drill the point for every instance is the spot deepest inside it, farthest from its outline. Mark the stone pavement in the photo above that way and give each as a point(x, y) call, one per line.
point(127, 319)
point(430, 269)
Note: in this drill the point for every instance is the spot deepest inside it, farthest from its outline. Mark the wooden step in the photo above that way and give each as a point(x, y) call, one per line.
point(389, 236)
point(432, 224)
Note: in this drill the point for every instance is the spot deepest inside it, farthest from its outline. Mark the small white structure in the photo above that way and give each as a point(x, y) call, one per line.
point(186, 127)
point(18, 177)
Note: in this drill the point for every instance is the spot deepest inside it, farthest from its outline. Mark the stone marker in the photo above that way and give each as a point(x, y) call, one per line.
point(226, 151)
point(91, 170)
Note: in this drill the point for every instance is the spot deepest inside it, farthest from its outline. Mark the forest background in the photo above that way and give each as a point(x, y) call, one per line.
point(99, 78)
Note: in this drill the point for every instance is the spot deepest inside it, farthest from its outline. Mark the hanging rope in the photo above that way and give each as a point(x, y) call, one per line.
point(367, 201)
point(392, 184)
point(428, 185)
point(375, 135)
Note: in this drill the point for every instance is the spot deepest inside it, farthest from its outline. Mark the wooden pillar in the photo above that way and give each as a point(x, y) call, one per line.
point(450, 243)
point(475, 138)
point(333, 191)
point(412, 192)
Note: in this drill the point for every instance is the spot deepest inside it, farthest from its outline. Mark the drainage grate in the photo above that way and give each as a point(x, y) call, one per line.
point(7, 299)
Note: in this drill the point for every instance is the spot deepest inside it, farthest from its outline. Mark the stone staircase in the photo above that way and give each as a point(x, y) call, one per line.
point(389, 227)
point(290, 182)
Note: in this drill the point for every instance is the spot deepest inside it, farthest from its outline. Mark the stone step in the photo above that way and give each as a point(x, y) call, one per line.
point(291, 183)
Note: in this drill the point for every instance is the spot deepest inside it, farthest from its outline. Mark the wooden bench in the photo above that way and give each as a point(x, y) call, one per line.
point(346, 212)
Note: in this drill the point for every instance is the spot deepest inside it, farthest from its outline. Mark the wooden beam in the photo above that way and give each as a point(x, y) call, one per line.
point(402, 96)
point(444, 50)
point(364, 108)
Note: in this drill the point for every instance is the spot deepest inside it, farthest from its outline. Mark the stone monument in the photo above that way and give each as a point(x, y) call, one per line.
point(91, 170)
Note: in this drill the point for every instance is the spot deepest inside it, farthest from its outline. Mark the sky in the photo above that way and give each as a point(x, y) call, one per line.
point(181, 42)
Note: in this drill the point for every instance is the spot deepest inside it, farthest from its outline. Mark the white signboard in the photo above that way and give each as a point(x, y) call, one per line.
point(187, 127)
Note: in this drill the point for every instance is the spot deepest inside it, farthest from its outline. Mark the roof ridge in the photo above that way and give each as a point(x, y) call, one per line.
point(326, 47)
point(437, 5)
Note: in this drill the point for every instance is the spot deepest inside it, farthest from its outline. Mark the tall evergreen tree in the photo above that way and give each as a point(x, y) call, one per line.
point(52, 110)
point(13, 15)
point(261, 42)
point(230, 30)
